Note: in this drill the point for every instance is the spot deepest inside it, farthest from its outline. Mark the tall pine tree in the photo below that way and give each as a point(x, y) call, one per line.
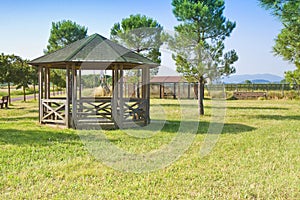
point(199, 42)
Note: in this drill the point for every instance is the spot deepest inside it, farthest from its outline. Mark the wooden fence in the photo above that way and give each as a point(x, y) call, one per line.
point(186, 90)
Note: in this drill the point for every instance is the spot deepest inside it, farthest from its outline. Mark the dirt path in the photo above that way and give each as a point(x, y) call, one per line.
point(20, 98)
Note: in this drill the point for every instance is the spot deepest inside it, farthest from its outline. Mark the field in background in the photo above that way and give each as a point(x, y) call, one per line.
point(256, 157)
point(182, 90)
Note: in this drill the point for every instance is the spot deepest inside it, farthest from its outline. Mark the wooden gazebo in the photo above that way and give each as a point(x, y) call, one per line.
point(74, 111)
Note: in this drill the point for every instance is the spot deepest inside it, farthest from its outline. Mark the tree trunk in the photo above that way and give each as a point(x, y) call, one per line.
point(200, 97)
point(24, 94)
point(9, 99)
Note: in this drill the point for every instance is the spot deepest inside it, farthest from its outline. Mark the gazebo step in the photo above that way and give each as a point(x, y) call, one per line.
point(95, 126)
point(94, 121)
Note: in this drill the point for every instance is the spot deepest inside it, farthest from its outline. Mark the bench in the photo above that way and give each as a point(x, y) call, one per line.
point(4, 102)
point(246, 95)
point(170, 94)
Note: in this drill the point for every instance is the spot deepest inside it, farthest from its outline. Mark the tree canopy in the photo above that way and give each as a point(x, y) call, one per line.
point(8, 70)
point(287, 42)
point(199, 42)
point(63, 33)
point(293, 77)
point(141, 34)
point(16, 70)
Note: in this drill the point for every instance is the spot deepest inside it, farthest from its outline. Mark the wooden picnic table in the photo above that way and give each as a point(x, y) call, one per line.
point(246, 95)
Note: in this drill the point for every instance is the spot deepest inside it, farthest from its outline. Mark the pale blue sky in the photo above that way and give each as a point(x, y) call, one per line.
point(25, 26)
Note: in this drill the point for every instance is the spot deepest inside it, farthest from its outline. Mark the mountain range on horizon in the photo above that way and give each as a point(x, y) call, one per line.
point(239, 78)
point(254, 78)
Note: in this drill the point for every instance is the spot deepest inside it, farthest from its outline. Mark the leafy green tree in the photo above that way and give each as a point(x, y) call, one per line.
point(34, 79)
point(90, 80)
point(142, 35)
point(24, 75)
point(247, 82)
point(293, 77)
point(63, 33)
point(58, 78)
point(199, 42)
point(287, 41)
point(8, 67)
point(287, 44)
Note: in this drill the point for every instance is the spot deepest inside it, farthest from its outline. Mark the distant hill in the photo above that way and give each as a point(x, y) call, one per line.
point(260, 81)
point(255, 78)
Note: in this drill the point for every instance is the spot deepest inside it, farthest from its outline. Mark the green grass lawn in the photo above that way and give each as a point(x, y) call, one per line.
point(256, 157)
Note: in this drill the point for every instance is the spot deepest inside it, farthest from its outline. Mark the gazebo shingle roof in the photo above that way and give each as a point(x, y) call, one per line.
point(94, 49)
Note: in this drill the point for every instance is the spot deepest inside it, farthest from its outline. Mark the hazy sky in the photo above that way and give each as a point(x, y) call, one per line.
point(25, 27)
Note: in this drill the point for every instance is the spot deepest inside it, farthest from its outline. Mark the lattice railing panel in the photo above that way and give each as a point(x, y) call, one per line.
point(53, 111)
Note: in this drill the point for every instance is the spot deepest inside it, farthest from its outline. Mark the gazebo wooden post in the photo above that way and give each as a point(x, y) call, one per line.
point(40, 72)
point(163, 90)
point(114, 105)
point(174, 88)
point(189, 90)
point(178, 94)
point(79, 83)
point(146, 92)
point(160, 90)
point(47, 82)
point(121, 100)
point(80, 90)
point(74, 96)
point(67, 109)
point(47, 87)
point(138, 84)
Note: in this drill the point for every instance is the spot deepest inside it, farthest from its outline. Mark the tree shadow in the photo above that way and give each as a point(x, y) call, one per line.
point(174, 105)
point(277, 117)
point(203, 127)
point(37, 137)
point(256, 108)
point(12, 119)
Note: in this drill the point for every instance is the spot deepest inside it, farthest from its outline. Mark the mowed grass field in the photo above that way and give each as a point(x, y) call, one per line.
point(257, 156)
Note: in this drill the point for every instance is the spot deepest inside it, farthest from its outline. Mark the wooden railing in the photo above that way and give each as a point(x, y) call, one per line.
point(134, 109)
point(53, 111)
point(95, 111)
point(101, 111)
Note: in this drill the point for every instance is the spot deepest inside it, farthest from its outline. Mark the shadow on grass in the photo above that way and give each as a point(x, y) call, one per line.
point(49, 137)
point(229, 128)
point(277, 117)
point(37, 137)
point(256, 108)
point(194, 105)
point(12, 119)
point(17, 110)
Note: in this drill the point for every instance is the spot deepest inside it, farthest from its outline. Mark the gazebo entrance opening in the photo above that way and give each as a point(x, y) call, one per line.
point(115, 99)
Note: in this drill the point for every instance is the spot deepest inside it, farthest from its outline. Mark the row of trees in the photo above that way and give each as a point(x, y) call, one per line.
point(15, 70)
